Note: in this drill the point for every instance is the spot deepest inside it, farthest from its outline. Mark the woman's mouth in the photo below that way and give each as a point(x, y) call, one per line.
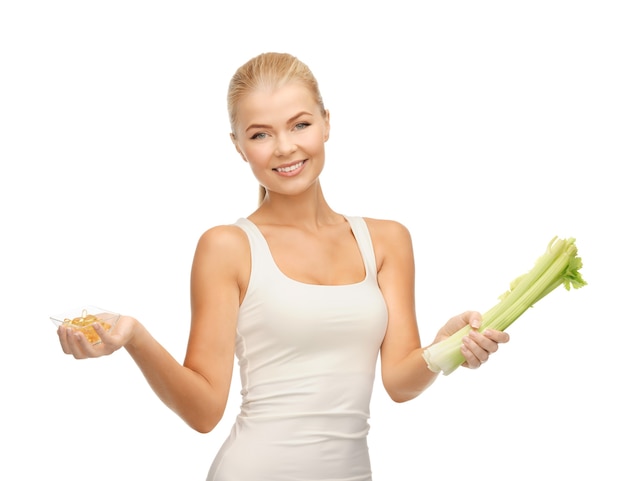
point(290, 168)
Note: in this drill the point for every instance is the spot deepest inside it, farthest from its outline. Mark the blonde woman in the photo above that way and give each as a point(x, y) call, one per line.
point(306, 298)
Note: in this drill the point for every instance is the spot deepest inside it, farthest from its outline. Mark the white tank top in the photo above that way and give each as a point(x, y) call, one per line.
point(307, 356)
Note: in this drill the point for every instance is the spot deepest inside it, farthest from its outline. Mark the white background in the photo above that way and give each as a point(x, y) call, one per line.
point(486, 127)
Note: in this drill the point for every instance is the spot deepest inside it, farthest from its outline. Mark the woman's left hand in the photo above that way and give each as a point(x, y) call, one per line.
point(477, 346)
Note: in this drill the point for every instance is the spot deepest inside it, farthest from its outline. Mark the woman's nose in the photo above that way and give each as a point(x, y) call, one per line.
point(284, 145)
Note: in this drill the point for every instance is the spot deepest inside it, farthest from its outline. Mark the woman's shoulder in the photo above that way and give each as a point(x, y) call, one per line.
point(391, 240)
point(224, 237)
point(386, 227)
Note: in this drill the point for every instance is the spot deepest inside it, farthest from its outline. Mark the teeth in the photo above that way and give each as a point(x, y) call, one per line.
point(290, 168)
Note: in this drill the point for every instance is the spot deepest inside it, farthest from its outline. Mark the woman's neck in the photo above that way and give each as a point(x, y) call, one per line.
point(308, 209)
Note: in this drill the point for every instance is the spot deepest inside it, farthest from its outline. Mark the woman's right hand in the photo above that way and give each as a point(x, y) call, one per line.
point(75, 343)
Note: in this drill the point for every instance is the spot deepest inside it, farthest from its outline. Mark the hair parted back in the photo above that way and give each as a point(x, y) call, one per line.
point(268, 71)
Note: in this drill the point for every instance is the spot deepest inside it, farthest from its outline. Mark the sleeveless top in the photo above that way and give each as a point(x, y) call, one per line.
point(307, 355)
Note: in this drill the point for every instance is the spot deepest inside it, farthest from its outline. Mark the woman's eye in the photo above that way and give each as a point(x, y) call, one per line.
point(302, 125)
point(259, 136)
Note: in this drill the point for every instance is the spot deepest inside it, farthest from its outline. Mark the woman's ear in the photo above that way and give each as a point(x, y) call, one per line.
point(326, 124)
point(233, 139)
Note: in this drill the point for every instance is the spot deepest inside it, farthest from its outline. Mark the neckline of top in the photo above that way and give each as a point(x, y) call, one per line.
point(359, 245)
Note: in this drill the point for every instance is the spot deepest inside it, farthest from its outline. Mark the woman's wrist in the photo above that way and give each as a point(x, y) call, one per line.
point(135, 333)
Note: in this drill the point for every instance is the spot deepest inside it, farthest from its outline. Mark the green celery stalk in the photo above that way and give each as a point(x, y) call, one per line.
point(560, 264)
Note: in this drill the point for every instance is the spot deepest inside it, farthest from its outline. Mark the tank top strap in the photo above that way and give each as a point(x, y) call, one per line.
point(261, 256)
point(364, 240)
point(254, 235)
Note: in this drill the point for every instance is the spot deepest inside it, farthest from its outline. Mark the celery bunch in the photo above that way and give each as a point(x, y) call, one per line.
point(559, 265)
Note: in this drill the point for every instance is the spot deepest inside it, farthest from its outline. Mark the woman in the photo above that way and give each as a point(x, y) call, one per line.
point(306, 298)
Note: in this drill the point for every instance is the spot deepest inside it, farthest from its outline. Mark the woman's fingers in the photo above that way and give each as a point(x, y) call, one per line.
point(75, 343)
point(477, 347)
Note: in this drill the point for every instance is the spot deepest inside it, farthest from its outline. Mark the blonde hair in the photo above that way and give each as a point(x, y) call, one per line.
point(268, 71)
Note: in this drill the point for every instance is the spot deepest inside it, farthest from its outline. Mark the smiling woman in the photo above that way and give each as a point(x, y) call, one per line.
point(306, 298)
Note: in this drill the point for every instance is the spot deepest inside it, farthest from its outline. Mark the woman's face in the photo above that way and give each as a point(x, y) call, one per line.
point(281, 134)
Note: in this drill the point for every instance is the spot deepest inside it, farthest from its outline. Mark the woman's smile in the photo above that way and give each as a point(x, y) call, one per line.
point(289, 170)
